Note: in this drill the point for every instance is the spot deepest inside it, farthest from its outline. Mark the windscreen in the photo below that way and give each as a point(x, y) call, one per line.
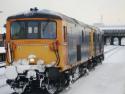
point(33, 30)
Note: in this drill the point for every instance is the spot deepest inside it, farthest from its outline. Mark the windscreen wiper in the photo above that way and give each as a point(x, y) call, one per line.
point(45, 26)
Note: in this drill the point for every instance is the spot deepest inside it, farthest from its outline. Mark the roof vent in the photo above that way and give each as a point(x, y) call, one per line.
point(35, 9)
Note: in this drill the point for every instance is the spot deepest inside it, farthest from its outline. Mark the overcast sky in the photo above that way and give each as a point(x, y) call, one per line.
point(88, 11)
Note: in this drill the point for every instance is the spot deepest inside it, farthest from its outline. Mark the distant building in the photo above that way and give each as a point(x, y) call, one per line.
point(0, 37)
point(111, 32)
point(110, 28)
point(1, 40)
point(2, 49)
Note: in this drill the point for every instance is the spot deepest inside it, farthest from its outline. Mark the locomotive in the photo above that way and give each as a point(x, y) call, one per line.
point(49, 50)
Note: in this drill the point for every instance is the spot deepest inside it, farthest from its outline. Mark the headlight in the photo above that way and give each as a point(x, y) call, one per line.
point(32, 60)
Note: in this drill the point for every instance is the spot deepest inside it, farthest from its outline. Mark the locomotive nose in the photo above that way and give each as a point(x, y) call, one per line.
point(35, 52)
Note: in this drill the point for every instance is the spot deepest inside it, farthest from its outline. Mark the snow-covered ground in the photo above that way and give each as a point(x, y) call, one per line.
point(108, 78)
point(4, 88)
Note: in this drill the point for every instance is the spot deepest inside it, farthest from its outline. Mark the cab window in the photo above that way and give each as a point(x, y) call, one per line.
point(33, 30)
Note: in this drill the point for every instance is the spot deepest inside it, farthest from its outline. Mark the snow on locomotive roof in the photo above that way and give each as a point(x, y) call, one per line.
point(47, 14)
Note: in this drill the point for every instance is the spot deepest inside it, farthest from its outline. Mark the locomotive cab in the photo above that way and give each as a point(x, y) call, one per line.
point(31, 40)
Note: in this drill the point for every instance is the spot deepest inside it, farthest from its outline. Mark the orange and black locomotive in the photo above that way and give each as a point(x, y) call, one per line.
point(48, 50)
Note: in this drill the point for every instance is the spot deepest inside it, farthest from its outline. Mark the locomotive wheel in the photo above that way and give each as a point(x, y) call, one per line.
point(76, 74)
point(82, 71)
point(99, 61)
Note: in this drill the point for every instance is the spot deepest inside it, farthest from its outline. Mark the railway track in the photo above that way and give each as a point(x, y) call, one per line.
point(110, 50)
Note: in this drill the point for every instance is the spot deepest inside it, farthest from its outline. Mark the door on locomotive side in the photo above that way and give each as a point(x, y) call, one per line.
point(91, 43)
point(95, 43)
point(86, 44)
point(72, 55)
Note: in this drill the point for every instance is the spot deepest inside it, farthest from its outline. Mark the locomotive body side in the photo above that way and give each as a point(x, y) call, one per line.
point(79, 43)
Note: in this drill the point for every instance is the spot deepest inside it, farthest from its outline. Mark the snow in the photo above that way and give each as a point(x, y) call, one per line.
point(109, 48)
point(3, 30)
point(2, 50)
point(4, 88)
point(104, 80)
point(107, 78)
point(113, 27)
